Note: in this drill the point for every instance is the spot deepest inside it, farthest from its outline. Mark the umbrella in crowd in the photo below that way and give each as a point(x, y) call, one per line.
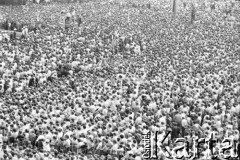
point(91, 87)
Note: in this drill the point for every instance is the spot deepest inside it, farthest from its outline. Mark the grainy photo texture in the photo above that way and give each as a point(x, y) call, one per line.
point(119, 79)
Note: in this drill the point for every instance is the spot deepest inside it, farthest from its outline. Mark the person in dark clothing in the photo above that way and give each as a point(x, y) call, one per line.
point(11, 36)
point(175, 131)
point(149, 6)
point(141, 46)
point(18, 26)
point(22, 36)
point(67, 23)
point(63, 73)
point(35, 30)
point(13, 25)
point(6, 24)
point(14, 33)
point(32, 138)
point(36, 82)
point(12, 139)
point(50, 79)
point(31, 82)
point(72, 85)
point(39, 144)
point(79, 20)
point(228, 12)
point(183, 133)
point(193, 14)
point(20, 137)
point(184, 5)
point(6, 86)
point(212, 6)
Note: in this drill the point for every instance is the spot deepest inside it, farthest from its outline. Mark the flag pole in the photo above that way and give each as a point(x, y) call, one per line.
point(174, 9)
point(174, 6)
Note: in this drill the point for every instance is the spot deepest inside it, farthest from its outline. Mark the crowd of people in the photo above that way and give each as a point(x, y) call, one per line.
point(89, 91)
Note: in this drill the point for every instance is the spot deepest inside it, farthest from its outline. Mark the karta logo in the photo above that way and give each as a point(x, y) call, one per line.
point(212, 147)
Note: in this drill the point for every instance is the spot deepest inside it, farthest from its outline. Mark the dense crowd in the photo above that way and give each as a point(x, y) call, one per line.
point(90, 91)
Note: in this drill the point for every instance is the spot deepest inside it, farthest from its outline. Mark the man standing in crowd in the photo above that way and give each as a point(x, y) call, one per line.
point(79, 20)
point(73, 15)
point(8, 24)
point(62, 19)
point(25, 32)
point(193, 13)
point(67, 22)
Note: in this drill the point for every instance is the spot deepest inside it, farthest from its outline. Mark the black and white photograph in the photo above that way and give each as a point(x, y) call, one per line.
point(119, 80)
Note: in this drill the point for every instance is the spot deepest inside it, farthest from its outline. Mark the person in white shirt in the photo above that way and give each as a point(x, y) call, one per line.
point(24, 34)
point(46, 146)
point(73, 16)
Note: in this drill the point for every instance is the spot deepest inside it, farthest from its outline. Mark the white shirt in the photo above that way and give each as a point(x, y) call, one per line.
point(46, 147)
point(75, 63)
point(137, 49)
point(73, 14)
point(138, 120)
